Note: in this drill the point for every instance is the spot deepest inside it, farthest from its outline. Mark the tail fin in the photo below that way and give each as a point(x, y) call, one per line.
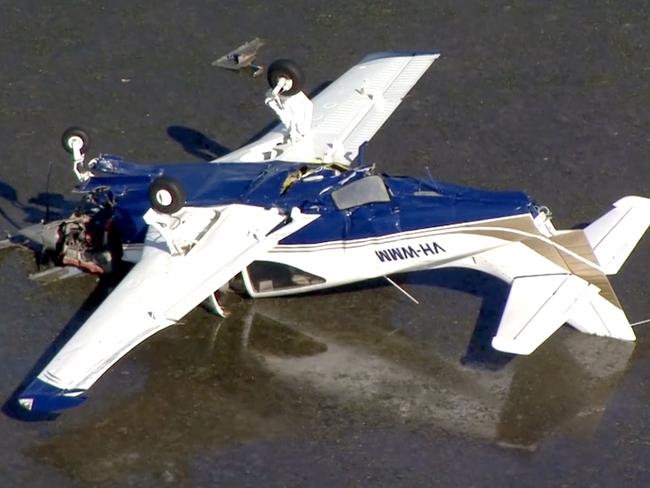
point(564, 279)
point(614, 235)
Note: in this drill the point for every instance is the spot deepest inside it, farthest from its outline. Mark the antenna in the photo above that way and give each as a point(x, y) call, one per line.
point(429, 173)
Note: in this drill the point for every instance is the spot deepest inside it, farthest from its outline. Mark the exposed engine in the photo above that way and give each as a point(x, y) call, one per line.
point(88, 239)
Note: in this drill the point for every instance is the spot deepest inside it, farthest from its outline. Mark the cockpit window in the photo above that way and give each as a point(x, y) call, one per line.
point(370, 189)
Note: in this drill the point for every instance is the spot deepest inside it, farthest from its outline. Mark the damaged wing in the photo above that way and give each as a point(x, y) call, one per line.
point(160, 289)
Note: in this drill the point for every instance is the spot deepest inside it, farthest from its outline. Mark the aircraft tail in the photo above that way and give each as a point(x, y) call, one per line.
point(614, 235)
point(564, 289)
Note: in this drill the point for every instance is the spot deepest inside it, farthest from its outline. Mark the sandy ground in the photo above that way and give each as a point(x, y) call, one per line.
point(360, 388)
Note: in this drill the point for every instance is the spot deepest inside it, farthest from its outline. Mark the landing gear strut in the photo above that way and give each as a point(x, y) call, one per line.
point(287, 100)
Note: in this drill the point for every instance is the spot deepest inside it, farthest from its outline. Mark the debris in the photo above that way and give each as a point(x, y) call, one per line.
point(242, 58)
point(55, 274)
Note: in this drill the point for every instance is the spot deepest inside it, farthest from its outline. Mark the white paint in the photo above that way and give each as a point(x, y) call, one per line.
point(163, 197)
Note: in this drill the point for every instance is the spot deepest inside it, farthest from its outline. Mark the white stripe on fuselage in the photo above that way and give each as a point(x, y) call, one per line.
point(396, 237)
point(342, 262)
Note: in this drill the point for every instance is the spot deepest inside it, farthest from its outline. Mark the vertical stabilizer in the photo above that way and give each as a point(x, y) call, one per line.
point(614, 235)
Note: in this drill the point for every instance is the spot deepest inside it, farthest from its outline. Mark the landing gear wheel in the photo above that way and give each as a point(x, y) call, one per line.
point(286, 68)
point(166, 195)
point(70, 135)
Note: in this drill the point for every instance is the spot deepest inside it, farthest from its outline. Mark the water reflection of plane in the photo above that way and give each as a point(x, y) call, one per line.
point(563, 388)
point(277, 368)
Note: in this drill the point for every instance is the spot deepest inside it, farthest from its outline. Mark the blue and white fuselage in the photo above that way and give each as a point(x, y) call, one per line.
point(398, 224)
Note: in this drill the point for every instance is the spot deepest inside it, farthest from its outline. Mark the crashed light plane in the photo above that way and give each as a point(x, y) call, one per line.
point(297, 211)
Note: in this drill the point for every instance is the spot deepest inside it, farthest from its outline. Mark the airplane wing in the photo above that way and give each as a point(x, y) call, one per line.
point(346, 113)
point(160, 289)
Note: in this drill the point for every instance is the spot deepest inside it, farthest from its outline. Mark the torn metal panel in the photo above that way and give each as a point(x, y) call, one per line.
point(242, 58)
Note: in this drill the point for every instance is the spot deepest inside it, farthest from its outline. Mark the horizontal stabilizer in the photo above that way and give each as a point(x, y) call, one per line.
point(614, 235)
point(596, 315)
point(537, 306)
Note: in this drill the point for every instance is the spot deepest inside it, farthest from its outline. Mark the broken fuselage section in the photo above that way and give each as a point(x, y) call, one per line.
point(353, 205)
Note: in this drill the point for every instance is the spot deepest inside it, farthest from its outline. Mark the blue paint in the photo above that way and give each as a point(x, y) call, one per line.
point(47, 398)
point(415, 204)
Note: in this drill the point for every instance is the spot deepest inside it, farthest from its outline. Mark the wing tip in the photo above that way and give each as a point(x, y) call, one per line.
point(40, 397)
point(630, 201)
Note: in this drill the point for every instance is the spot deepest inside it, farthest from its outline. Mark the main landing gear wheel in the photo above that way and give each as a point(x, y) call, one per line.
point(73, 135)
point(288, 69)
point(166, 195)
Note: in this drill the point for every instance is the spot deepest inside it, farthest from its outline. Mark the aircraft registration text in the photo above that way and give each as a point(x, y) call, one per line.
point(409, 252)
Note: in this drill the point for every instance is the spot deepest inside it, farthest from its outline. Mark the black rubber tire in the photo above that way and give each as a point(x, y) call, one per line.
point(288, 69)
point(174, 189)
point(78, 132)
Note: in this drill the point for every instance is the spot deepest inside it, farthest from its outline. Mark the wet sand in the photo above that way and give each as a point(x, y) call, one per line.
point(362, 387)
